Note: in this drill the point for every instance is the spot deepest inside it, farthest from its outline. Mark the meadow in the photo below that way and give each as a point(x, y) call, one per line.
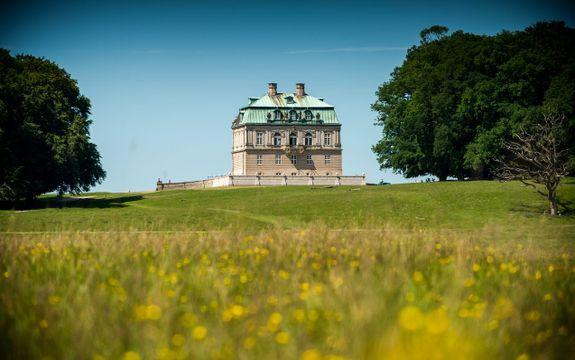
point(427, 271)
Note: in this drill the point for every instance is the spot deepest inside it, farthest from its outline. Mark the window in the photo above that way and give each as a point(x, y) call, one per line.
point(327, 159)
point(294, 159)
point(327, 139)
point(327, 174)
point(277, 139)
point(259, 138)
point(278, 159)
point(308, 159)
point(308, 115)
point(258, 160)
point(293, 174)
point(292, 115)
point(293, 139)
point(277, 115)
point(308, 139)
point(278, 173)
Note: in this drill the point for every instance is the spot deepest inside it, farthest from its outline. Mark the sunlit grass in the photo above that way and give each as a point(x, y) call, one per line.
point(309, 293)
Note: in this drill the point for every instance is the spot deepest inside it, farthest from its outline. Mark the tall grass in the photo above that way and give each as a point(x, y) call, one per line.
point(310, 294)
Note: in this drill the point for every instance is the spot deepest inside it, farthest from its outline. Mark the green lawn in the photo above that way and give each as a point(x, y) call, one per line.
point(461, 206)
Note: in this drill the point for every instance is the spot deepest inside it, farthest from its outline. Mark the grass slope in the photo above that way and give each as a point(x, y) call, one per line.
point(451, 205)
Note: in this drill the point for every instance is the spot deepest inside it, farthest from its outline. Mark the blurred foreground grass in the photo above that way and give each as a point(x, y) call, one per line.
point(310, 293)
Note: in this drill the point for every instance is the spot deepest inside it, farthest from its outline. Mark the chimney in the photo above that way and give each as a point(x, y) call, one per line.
point(272, 89)
point(300, 89)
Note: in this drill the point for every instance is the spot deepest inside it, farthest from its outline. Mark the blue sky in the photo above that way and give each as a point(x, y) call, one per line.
point(166, 78)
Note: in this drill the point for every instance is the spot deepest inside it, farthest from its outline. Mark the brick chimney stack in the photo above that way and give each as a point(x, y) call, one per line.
point(272, 89)
point(300, 89)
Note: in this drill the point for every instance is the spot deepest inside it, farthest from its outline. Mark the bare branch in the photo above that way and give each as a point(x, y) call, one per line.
point(537, 156)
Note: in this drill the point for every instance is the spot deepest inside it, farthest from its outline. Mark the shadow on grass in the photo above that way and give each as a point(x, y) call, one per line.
point(71, 202)
point(566, 208)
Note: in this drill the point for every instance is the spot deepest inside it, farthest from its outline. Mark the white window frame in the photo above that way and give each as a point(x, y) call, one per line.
point(293, 159)
point(308, 115)
point(277, 115)
point(327, 159)
point(309, 160)
point(278, 159)
point(294, 137)
point(308, 139)
point(327, 139)
point(277, 136)
point(292, 115)
point(259, 159)
point(259, 138)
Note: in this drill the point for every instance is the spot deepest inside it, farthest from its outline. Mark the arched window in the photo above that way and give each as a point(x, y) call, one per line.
point(293, 139)
point(277, 139)
point(308, 139)
point(308, 115)
point(277, 115)
point(293, 115)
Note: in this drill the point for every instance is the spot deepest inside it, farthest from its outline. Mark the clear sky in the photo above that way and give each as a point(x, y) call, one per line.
point(167, 78)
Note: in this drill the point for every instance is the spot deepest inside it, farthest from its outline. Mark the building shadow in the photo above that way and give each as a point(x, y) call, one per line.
point(54, 202)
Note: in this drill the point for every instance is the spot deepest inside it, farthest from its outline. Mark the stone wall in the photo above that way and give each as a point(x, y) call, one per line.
point(242, 180)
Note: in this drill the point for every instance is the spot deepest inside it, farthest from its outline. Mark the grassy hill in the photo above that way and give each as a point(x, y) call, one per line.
point(470, 270)
point(451, 205)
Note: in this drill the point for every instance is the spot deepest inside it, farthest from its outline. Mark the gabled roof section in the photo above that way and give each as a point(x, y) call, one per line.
point(288, 101)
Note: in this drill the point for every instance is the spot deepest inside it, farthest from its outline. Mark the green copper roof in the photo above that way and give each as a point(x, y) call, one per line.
point(263, 110)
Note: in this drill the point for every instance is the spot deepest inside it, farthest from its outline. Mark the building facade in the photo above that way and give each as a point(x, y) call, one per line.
point(286, 134)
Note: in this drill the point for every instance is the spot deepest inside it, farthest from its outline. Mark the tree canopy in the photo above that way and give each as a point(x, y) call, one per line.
point(44, 130)
point(456, 99)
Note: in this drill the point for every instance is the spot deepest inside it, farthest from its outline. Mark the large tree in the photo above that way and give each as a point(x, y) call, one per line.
point(456, 99)
point(44, 130)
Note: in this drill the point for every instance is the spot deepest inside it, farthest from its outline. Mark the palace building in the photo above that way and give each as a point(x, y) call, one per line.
point(282, 139)
point(286, 134)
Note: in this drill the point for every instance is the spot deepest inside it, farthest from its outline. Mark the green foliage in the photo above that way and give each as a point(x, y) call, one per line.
point(450, 107)
point(44, 131)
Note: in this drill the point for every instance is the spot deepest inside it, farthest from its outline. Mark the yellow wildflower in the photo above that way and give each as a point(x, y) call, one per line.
point(417, 277)
point(410, 318)
point(283, 338)
point(237, 311)
point(274, 320)
point(311, 354)
point(199, 333)
point(437, 321)
point(131, 355)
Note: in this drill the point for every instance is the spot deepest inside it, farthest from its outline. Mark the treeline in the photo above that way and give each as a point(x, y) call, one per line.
point(449, 109)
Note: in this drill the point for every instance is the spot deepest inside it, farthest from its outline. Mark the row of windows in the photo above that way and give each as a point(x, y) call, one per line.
point(293, 159)
point(293, 115)
point(308, 139)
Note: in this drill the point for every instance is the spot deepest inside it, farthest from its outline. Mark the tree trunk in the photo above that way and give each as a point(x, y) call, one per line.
point(552, 197)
